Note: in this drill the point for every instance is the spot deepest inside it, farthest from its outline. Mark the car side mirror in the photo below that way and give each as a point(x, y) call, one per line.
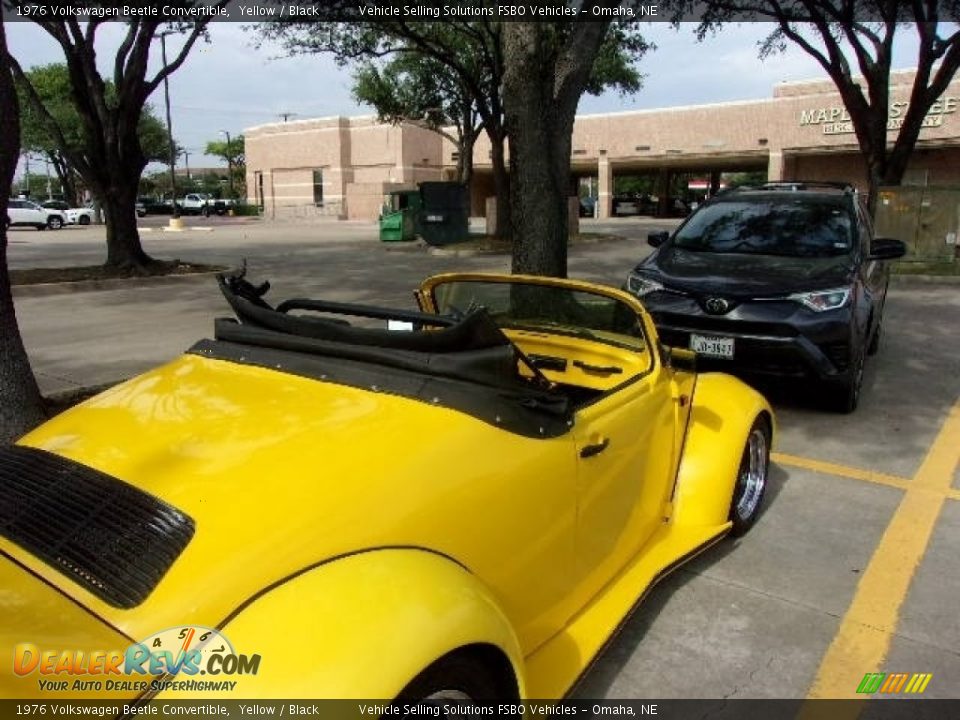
point(656, 239)
point(886, 249)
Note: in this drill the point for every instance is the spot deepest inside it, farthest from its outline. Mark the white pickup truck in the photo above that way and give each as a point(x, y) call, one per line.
point(203, 204)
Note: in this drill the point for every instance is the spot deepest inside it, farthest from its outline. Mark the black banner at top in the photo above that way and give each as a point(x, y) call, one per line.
point(402, 10)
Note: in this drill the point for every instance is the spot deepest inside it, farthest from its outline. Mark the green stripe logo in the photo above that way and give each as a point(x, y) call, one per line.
point(894, 683)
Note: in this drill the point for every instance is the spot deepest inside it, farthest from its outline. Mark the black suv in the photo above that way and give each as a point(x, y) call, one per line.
point(780, 279)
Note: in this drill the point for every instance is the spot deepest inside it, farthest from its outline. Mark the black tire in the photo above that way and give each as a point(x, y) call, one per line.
point(752, 476)
point(83, 220)
point(205, 211)
point(874, 345)
point(845, 396)
point(454, 678)
point(54, 222)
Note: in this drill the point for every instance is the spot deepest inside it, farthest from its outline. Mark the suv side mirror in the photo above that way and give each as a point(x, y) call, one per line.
point(886, 249)
point(656, 239)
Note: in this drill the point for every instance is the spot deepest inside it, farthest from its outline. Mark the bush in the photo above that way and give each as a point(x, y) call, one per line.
point(246, 210)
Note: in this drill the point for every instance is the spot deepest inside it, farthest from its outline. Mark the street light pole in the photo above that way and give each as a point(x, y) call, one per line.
point(229, 164)
point(166, 100)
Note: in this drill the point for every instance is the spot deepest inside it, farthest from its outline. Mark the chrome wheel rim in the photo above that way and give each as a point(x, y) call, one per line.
point(753, 474)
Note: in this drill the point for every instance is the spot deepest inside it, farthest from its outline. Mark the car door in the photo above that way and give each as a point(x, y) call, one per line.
point(17, 212)
point(625, 447)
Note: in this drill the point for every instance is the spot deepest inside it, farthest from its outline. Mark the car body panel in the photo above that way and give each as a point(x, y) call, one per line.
point(381, 530)
point(416, 606)
point(27, 212)
point(207, 433)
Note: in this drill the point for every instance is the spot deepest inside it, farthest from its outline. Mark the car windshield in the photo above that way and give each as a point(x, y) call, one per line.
point(772, 226)
point(527, 306)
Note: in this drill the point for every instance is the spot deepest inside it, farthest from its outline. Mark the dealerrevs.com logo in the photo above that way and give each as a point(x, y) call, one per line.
point(152, 664)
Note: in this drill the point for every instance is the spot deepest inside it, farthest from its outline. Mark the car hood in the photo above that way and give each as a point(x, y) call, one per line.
point(743, 274)
point(278, 473)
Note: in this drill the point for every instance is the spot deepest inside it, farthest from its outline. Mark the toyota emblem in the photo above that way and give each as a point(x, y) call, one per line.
point(716, 306)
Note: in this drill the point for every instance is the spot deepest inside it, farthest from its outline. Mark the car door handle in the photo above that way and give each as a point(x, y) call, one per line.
point(594, 449)
point(597, 369)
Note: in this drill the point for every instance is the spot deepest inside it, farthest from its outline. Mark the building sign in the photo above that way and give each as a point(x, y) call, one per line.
point(836, 120)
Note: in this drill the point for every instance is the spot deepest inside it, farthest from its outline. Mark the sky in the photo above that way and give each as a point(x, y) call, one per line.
point(230, 84)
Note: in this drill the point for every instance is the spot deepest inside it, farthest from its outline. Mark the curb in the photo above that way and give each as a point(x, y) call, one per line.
point(45, 289)
point(896, 279)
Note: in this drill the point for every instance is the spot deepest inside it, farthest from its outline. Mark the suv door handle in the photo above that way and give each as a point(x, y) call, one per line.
point(594, 449)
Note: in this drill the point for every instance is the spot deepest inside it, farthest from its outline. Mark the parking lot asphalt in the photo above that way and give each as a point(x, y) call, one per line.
point(852, 567)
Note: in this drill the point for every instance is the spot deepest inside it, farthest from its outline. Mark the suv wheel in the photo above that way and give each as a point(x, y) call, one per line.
point(845, 396)
point(55, 222)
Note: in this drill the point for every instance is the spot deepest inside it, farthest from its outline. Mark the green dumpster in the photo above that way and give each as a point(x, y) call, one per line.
point(396, 227)
point(398, 221)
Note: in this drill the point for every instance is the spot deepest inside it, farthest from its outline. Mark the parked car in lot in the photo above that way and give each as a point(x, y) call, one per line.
point(784, 279)
point(79, 216)
point(27, 212)
point(55, 205)
point(301, 480)
point(203, 204)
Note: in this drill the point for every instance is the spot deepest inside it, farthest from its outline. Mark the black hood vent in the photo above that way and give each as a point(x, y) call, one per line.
point(113, 539)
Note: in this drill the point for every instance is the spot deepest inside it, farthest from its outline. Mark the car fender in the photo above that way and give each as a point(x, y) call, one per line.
point(364, 625)
point(722, 413)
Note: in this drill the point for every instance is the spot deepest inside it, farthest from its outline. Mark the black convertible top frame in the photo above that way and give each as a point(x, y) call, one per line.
point(465, 363)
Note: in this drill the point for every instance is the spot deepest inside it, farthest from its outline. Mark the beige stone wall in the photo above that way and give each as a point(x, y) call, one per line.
point(800, 133)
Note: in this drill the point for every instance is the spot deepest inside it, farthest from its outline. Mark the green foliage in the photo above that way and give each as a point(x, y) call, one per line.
point(410, 87)
point(52, 83)
point(234, 155)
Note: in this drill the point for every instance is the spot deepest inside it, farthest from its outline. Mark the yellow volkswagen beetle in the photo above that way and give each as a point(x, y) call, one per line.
point(464, 503)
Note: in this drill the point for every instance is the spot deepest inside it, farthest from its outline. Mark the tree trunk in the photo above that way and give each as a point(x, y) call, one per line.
point(501, 185)
point(21, 407)
point(124, 250)
point(538, 196)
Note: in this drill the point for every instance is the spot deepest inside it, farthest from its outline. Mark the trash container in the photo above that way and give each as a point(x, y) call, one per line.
point(445, 216)
point(398, 221)
point(396, 227)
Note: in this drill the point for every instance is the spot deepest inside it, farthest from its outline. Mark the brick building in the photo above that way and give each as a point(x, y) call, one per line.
point(342, 166)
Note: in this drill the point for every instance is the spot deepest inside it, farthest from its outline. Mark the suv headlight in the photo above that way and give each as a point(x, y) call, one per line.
point(640, 286)
point(823, 300)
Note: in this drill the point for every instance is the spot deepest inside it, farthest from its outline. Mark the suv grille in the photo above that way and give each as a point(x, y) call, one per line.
point(113, 539)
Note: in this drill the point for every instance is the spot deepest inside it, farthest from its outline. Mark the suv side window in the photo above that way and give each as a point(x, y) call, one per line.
point(16, 204)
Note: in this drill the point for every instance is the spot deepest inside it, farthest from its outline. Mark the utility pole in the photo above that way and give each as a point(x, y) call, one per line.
point(26, 160)
point(166, 100)
point(186, 162)
point(46, 162)
point(286, 115)
point(229, 155)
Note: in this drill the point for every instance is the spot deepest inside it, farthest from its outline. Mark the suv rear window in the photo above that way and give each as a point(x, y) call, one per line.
point(795, 226)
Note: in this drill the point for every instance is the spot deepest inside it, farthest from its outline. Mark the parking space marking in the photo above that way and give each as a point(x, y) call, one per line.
point(863, 638)
point(828, 468)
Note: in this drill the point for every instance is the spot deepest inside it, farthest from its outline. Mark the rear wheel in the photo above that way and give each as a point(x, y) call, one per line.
point(457, 678)
point(751, 478)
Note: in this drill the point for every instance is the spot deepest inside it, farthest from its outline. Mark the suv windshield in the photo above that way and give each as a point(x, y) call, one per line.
point(797, 226)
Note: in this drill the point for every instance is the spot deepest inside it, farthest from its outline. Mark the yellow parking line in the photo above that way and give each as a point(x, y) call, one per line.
point(863, 638)
point(829, 468)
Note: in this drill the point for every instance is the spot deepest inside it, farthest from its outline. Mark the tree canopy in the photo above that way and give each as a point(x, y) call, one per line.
point(52, 86)
point(111, 156)
point(852, 40)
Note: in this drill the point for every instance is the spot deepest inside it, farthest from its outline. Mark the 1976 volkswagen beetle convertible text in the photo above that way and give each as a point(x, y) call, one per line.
point(467, 504)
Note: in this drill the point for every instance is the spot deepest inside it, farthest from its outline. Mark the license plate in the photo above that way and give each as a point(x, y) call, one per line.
point(711, 346)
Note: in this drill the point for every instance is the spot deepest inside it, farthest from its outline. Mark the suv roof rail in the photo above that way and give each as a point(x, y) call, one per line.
point(797, 185)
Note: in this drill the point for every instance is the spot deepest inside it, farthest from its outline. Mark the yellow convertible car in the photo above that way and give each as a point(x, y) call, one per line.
point(332, 500)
